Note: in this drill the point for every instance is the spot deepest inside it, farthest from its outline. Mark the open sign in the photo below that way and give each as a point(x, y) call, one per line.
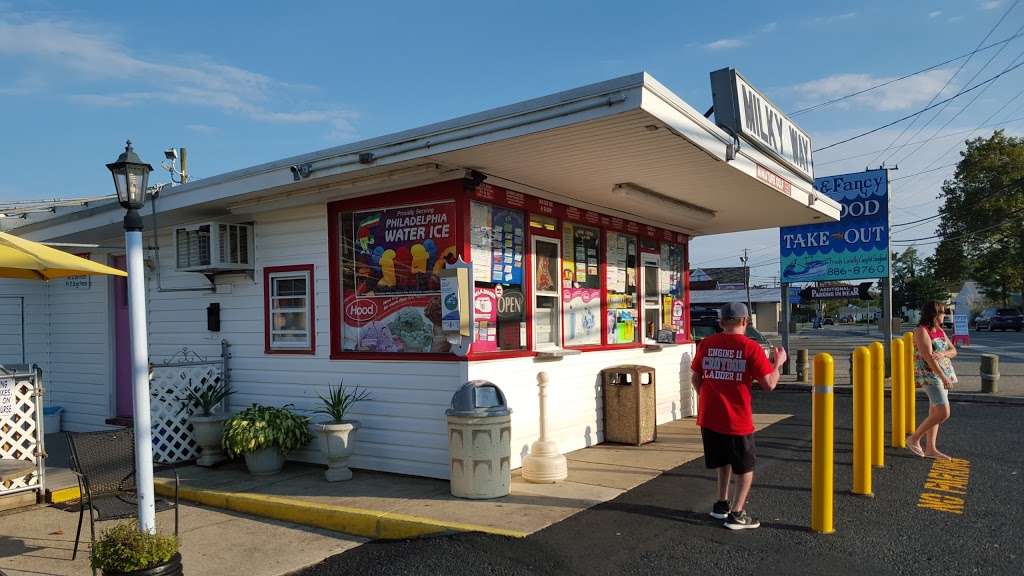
point(510, 305)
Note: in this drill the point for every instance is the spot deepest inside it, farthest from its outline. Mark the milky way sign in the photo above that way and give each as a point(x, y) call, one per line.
point(853, 248)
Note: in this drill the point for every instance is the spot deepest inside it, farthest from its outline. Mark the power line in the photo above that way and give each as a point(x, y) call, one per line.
point(923, 110)
point(925, 171)
point(984, 196)
point(904, 77)
point(961, 110)
point(1009, 217)
point(943, 137)
point(950, 79)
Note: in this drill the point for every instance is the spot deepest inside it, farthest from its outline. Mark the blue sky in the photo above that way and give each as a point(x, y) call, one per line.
point(244, 83)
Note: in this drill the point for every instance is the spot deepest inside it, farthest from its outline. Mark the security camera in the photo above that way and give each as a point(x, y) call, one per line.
point(171, 154)
point(300, 171)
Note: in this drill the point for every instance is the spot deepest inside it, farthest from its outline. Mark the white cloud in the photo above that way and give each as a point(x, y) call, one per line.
point(725, 44)
point(934, 14)
point(818, 20)
point(900, 95)
point(68, 52)
point(990, 4)
point(204, 129)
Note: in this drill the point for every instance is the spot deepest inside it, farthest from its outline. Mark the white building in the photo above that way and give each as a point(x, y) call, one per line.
point(575, 210)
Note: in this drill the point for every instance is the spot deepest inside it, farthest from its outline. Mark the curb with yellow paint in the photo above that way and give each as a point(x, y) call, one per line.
point(357, 521)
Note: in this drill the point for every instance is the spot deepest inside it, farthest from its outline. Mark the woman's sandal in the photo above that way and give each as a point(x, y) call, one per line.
point(915, 447)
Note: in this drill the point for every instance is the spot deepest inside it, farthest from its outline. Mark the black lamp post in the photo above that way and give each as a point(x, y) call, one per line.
point(131, 176)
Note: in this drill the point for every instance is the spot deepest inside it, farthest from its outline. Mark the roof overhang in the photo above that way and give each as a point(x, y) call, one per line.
point(593, 146)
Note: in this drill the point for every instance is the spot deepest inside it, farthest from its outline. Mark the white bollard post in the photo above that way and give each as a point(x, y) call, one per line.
point(544, 464)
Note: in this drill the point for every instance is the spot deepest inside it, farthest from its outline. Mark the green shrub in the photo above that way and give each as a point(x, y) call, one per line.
point(205, 398)
point(259, 427)
point(124, 549)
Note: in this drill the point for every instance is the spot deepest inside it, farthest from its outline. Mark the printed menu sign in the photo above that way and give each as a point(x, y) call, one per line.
point(403, 250)
point(485, 320)
point(497, 239)
point(7, 397)
point(582, 316)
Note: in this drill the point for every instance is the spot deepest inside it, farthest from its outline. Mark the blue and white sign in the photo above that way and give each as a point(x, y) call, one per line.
point(855, 247)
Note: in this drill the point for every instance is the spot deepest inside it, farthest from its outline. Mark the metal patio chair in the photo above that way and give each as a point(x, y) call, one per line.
point(104, 463)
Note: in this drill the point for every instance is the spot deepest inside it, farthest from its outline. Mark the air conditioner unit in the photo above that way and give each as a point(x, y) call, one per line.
point(214, 247)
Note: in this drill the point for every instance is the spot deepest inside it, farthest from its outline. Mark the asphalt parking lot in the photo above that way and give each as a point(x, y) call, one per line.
point(841, 340)
point(960, 520)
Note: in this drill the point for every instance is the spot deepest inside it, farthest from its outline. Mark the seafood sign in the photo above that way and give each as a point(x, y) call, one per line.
point(855, 247)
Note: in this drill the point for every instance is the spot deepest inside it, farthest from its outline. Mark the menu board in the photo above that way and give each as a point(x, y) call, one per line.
point(673, 305)
point(497, 240)
point(403, 250)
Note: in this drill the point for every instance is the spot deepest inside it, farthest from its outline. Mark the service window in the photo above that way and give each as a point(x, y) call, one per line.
point(289, 310)
point(652, 295)
point(581, 285)
point(391, 262)
point(621, 282)
point(546, 294)
point(497, 240)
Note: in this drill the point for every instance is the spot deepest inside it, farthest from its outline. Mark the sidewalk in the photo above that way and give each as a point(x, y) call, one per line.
point(39, 540)
point(389, 506)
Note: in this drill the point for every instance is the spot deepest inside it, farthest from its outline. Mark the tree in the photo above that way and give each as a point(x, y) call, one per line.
point(914, 281)
point(982, 225)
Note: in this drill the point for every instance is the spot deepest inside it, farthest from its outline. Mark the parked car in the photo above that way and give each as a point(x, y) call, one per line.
point(1000, 319)
point(706, 326)
point(828, 321)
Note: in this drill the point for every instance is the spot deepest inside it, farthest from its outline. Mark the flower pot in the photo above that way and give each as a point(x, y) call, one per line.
point(208, 431)
point(264, 462)
point(336, 443)
point(170, 568)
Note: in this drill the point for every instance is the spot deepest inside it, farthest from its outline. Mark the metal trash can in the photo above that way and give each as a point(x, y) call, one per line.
point(629, 404)
point(479, 442)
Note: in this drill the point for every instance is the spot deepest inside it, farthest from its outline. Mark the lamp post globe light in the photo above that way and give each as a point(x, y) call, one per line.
point(131, 176)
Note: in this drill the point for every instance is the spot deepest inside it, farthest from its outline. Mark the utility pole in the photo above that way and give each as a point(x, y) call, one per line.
point(746, 279)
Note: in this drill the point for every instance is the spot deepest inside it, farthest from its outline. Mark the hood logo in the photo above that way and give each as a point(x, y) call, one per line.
point(361, 309)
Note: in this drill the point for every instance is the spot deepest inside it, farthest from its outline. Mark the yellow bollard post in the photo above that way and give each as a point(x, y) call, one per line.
point(909, 384)
point(877, 405)
point(896, 390)
point(862, 421)
point(821, 448)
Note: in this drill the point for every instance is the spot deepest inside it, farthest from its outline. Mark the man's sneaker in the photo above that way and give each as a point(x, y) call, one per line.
point(741, 521)
point(720, 510)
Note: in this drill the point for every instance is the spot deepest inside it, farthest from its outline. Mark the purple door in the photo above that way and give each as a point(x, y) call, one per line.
point(122, 343)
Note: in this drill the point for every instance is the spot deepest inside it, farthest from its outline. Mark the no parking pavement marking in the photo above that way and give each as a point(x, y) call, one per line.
point(946, 486)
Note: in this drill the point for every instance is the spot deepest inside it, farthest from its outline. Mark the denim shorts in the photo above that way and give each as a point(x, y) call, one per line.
point(937, 394)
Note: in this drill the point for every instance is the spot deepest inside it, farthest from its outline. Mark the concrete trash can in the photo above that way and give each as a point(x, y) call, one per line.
point(51, 418)
point(629, 404)
point(479, 442)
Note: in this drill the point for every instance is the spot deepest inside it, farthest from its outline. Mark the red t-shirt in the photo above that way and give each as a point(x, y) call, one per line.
point(728, 364)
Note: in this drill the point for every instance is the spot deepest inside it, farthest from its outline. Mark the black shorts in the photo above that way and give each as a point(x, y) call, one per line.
point(727, 450)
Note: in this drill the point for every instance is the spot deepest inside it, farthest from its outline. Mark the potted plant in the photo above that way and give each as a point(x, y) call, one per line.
point(125, 551)
point(207, 426)
point(264, 434)
point(337, 435)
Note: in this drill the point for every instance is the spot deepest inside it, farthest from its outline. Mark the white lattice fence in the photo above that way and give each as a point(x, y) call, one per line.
point(20, 427)
point(173, 440)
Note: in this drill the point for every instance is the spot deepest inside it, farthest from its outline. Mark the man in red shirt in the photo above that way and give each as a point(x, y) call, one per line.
point(724, 369)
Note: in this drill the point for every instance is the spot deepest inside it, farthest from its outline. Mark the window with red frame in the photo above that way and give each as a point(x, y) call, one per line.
point(289, 322)
point(499, 255)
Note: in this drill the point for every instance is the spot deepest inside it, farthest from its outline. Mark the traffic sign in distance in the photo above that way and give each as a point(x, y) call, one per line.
point(837, 292)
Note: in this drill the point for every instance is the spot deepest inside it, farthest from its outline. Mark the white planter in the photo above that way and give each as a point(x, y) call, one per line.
point(264, 462)
point(336, 443)
point(208, 432)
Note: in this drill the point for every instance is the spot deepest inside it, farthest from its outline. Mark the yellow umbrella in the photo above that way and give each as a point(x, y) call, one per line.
point(20, 258)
